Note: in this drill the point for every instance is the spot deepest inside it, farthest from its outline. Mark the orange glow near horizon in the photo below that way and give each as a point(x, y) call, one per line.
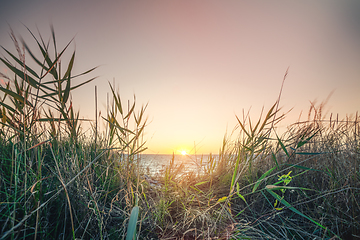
point(183, 150)
point(198, 64)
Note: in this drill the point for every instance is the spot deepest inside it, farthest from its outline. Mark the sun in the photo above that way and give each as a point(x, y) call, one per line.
point(183, 152)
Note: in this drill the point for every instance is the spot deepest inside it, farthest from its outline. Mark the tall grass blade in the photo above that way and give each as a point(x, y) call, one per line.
point(242, 127)
point(70, 66)
point(303, 142)
point(235, 172)
point(7, 107)
point(116, 99)
point(66, 95)
point(16, 96)
point(268, 116)
point(21, 74)
point(131, 230)
point(21, 63)
point(282, 146)
point(273, 156)
point(288, 205)
point(261, 178)
point(238, 193)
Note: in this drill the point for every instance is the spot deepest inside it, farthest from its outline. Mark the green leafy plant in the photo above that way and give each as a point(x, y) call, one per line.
point(34, 90)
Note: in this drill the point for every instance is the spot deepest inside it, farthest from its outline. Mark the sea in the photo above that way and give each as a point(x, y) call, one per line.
point(154, 164)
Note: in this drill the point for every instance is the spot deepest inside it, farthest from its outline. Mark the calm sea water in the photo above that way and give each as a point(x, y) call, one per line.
point(156, 163)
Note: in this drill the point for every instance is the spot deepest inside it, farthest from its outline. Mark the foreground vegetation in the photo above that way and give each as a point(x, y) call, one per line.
point(56, 182)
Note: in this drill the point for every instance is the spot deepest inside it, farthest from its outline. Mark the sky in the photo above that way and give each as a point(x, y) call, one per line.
point(199, 64)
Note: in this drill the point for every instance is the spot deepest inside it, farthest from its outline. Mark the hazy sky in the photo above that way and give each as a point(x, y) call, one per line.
point(199, 63)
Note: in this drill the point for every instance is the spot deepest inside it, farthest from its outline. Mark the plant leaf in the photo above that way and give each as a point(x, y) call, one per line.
point(70, 66)
point(273, 156)
point(15, 95)
point(117, 126)
point(235, 172)
point(72, 88)
point(86, 72)
point(242, 127)
point(238, 193)
point(201, 183)
point(21, 63)
point(66, 91)
point(283, 201)
point(275, 187)
point(7, 107)
point(268, 116)
point(196, 189)
point(223, 199)
point(131, 230)
point(21, 74)
point(282, 146)
point(261, 178)
point(301, 143)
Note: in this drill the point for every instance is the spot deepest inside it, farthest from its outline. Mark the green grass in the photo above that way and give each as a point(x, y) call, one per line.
point(59, 181)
